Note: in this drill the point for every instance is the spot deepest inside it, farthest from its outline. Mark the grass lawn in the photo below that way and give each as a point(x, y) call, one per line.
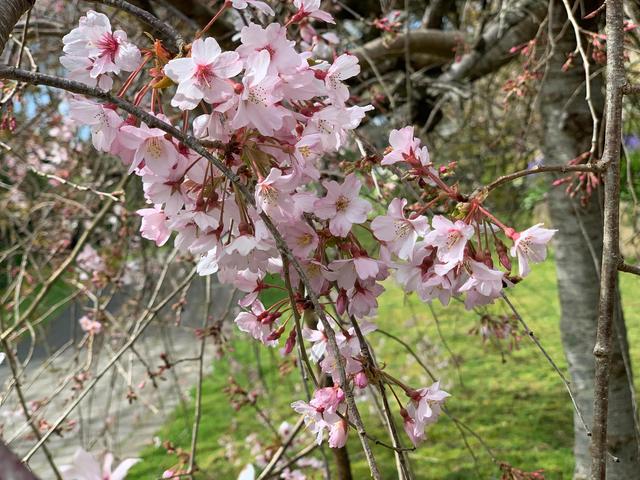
point(515, 402)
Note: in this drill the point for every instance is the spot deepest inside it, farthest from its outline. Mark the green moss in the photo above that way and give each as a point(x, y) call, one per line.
point(514, 401)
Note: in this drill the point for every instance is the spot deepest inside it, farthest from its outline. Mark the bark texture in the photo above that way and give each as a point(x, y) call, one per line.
point(10, 13)
point(578, 245)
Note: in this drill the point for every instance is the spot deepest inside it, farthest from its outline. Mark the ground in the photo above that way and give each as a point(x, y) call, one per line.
point(514, 400)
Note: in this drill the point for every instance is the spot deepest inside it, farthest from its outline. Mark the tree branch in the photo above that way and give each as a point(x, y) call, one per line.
point(631, 89)
point(172, 40)
point(625, 267)
point(284, 250)
point(594, 168)
point(611, 235)
point(434, 42)
point(10, 13)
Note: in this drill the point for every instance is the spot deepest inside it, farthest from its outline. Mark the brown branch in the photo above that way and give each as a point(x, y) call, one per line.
point(611, 235)
point(10, 13)
point(625, 267)
point(594, 168)
point(284, 250)
point(172, 40)
point(631, 89)
point(426, 41)
point(518, 23)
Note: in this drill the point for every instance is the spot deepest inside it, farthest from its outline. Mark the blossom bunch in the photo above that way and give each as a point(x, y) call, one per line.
point(277, 116)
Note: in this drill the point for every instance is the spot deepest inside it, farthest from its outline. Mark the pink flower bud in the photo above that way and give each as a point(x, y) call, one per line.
point(341, 302)
point(290, 343)
point(361, 380)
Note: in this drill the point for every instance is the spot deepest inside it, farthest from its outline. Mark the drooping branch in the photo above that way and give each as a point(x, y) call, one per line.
point(10, 13)
point(611, 235)
point(284, 250)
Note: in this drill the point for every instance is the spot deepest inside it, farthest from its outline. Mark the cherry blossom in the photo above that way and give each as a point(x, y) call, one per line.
point(399, 232)
point(483, 286)
point(260, 93)
point(342, 205)
point(426, 403)
point(86, 467)
point(258, 323)
point(150, 146)
point(282, 57)
point(301, 238)
point(343, 67)
point(92, 327)
point(101, 50)
point(311, 8)
point(203, 75)
point(257, 4)
point(451, 239)
point(154, 225)
point(89, 260)
point(273, 113)
point(104, 121)
point(530, 246)
point(404, 147)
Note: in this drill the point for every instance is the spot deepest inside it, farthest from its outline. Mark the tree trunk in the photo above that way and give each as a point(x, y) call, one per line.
point(578, 246)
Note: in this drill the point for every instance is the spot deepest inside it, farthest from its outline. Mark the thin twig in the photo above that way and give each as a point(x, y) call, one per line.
point(535, 340)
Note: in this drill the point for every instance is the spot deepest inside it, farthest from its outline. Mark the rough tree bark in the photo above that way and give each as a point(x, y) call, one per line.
point(10, 13)
point(578, 246)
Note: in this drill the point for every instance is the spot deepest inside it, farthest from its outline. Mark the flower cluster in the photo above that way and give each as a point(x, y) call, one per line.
point(275, 116)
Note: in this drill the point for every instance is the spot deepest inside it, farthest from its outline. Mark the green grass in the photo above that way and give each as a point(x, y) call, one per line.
point(515, 402)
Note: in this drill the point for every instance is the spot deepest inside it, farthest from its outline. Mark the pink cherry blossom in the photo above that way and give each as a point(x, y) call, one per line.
point(86, 467)
point(300, 237)
point(363, 298)
point(154, 225)
point(257, 104)
point(203, 75)
point(531, 246)
point(399, 232)
point(258, 323)
point(316, 419)
point(342, 206)
point(257, 4)
point(104, 51)
point(483, 286)
point(311, 8)
point(281, 58)
point(338, 434)
point(89, 260)
point(272, 195)
point(166, 189)
point(332, 123)
point(92, 327)
point(104, 121)
point(451, 239)
point(343, 67)
point(403, 146)
point(345, 272)
point(150, 146)
point(426, 403)
point(413, 428)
